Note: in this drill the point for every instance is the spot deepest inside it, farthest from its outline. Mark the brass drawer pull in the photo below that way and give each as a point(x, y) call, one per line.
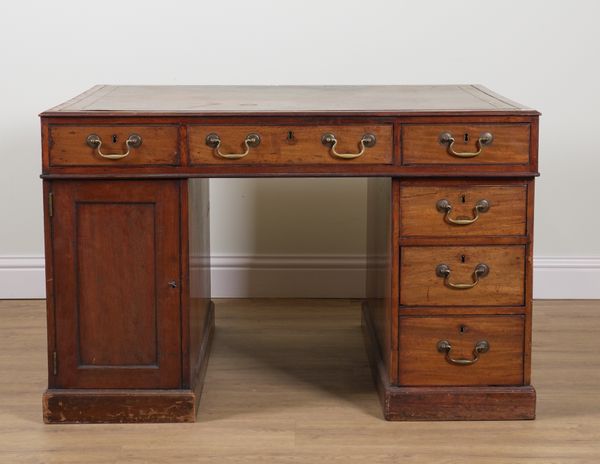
point(444, 206)
point(214, 141)
point(443, 270)
point(133, 141)
point(366, 141)
point(444, 346)
point(484, 139)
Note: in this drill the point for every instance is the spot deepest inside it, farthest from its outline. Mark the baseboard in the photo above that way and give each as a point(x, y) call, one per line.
point(317, 276)
point(22, 277)
point(288, 276)
point(563, 277)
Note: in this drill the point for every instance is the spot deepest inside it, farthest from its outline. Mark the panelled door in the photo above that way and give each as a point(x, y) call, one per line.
point(116, 256)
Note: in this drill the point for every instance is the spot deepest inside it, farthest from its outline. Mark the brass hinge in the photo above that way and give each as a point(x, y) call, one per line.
point(50, 204)
point(54, 363)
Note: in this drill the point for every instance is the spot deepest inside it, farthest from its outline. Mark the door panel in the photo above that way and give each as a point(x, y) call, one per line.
point(108, 230)
point(116, 257)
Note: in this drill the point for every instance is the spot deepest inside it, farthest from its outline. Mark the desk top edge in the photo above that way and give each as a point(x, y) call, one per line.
point(285, 100)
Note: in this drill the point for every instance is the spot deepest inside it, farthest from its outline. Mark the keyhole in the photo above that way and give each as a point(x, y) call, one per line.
point(462, 258)
point(466, 137)
point(114, 138)
point(290, 137)
point(463, 197)
point(463, 328)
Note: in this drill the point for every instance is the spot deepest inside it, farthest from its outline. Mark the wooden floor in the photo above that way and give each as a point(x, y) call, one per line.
point(288, 382)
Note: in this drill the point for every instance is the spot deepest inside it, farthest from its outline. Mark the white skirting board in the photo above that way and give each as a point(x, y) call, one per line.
point(281, 276)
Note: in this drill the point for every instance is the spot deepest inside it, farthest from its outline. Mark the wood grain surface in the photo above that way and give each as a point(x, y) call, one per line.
point(116, 248)
point(291, 144)
point(419, 216)
point(276, 392)
point(68, 145)
point(422, 364)
point(382, 269)
point(200, 317)
point(503, 286)
point(421, 144)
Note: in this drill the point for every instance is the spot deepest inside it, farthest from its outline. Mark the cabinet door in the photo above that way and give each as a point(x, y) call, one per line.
point(116, 252)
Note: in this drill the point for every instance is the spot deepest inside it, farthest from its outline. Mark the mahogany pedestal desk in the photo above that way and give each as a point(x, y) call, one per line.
point(447, 318)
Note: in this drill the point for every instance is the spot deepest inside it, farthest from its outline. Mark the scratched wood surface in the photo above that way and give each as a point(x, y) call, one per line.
point(286, 386)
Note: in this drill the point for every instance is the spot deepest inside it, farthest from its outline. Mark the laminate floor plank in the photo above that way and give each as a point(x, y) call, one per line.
point(288, 382)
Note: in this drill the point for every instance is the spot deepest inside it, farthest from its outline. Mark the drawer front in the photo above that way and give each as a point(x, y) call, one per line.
point(462, 275)
point(461, 350)
point(291, 144)
point(113, 145)
point(463, 210)
point(432, 144)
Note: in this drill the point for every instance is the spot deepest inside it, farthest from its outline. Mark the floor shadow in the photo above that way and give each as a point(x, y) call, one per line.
point(275, 357)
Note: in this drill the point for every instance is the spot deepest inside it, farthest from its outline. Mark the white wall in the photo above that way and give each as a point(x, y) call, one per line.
point(542, 53)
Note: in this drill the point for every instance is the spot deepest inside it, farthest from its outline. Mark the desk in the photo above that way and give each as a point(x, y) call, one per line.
point(447, 320)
